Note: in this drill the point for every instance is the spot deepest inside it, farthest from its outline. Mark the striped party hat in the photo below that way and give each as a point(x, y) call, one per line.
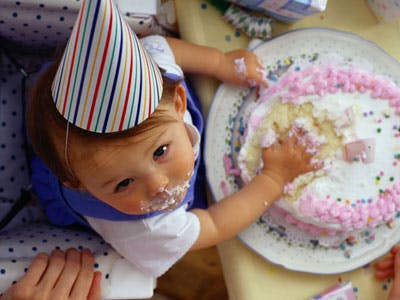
point(106, 82)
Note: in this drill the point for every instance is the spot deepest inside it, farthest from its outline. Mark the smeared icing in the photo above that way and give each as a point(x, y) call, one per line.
point(167, 198)
point(240, 67)
point(241, 71)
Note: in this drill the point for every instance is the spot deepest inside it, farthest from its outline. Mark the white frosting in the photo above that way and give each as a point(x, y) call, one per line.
point(167, 199)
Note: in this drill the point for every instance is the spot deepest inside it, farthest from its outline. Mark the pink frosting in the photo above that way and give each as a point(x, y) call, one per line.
point(254, 121)
point(360, 215)
point(348, 217)
point(314, 230)
point(229, 169)
point(327, 79)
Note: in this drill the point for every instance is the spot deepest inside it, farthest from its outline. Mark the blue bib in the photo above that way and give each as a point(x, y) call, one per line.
point(66, 206)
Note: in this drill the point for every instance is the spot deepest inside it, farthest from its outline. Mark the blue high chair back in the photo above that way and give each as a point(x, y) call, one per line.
point(29, 32)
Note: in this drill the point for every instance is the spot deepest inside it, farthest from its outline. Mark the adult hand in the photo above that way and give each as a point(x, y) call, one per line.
point(62, 275)
point(390, 267)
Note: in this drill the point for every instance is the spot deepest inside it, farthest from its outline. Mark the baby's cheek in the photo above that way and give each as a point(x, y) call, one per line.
point(185, 163)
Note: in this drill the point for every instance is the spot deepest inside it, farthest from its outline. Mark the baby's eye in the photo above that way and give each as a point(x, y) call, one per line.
point(124, 184)
point(160, 152)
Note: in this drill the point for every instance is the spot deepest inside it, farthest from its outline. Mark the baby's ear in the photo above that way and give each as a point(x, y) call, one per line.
point(180, 100)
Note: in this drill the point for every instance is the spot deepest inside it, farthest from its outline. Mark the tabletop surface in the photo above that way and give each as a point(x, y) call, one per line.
point(248, 275)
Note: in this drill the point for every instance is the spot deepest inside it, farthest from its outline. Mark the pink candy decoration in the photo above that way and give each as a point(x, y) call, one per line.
point(363, 149)
point(254, 121)
point(224, 188)
point(229, 166)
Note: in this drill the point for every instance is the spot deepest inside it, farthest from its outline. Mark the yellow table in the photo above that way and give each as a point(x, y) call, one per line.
point(249, 276)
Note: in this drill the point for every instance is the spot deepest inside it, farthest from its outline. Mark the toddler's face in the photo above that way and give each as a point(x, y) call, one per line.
point(144, 173)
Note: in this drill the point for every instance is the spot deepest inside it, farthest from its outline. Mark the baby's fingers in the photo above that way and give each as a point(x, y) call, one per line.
point(256, 72)
point(316, 166)
point(292, 144)
point(257, 77)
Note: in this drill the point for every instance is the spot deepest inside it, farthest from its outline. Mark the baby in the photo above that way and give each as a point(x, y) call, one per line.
point(115, 123)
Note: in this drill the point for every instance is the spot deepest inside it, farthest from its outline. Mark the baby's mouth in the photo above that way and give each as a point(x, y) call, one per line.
point(167, 198)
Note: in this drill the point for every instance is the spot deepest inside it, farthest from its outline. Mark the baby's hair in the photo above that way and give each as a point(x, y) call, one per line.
point(47, 128)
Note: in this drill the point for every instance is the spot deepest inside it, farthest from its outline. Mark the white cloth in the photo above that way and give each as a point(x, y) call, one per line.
point(154, 244)
point(161, 52)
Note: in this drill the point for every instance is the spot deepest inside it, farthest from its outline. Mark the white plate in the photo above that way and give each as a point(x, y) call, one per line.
point(266, 238)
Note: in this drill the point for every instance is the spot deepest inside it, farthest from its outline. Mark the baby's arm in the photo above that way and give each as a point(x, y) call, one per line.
point(238, 67)
point(223, 220)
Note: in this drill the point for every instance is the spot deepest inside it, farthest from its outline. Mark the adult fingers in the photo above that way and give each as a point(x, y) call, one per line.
point(395, 249)
point(84, 280)
point(35, 271)
point(384, 274)
point(385, 263)
point(26, 286)
point(69, 273)
point(54, 269)
point(395, 290)
point(95, 290)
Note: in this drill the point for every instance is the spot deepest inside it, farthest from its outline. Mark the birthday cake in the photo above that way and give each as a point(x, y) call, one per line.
point(350, 120)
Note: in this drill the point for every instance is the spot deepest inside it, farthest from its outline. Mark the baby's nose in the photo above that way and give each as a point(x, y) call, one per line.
point(156, 183)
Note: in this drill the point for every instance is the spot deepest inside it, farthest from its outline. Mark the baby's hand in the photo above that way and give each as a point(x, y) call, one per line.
point(241, 67)
point(284, 162)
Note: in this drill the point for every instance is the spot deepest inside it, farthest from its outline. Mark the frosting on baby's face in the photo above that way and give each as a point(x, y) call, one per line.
point(167, 198)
